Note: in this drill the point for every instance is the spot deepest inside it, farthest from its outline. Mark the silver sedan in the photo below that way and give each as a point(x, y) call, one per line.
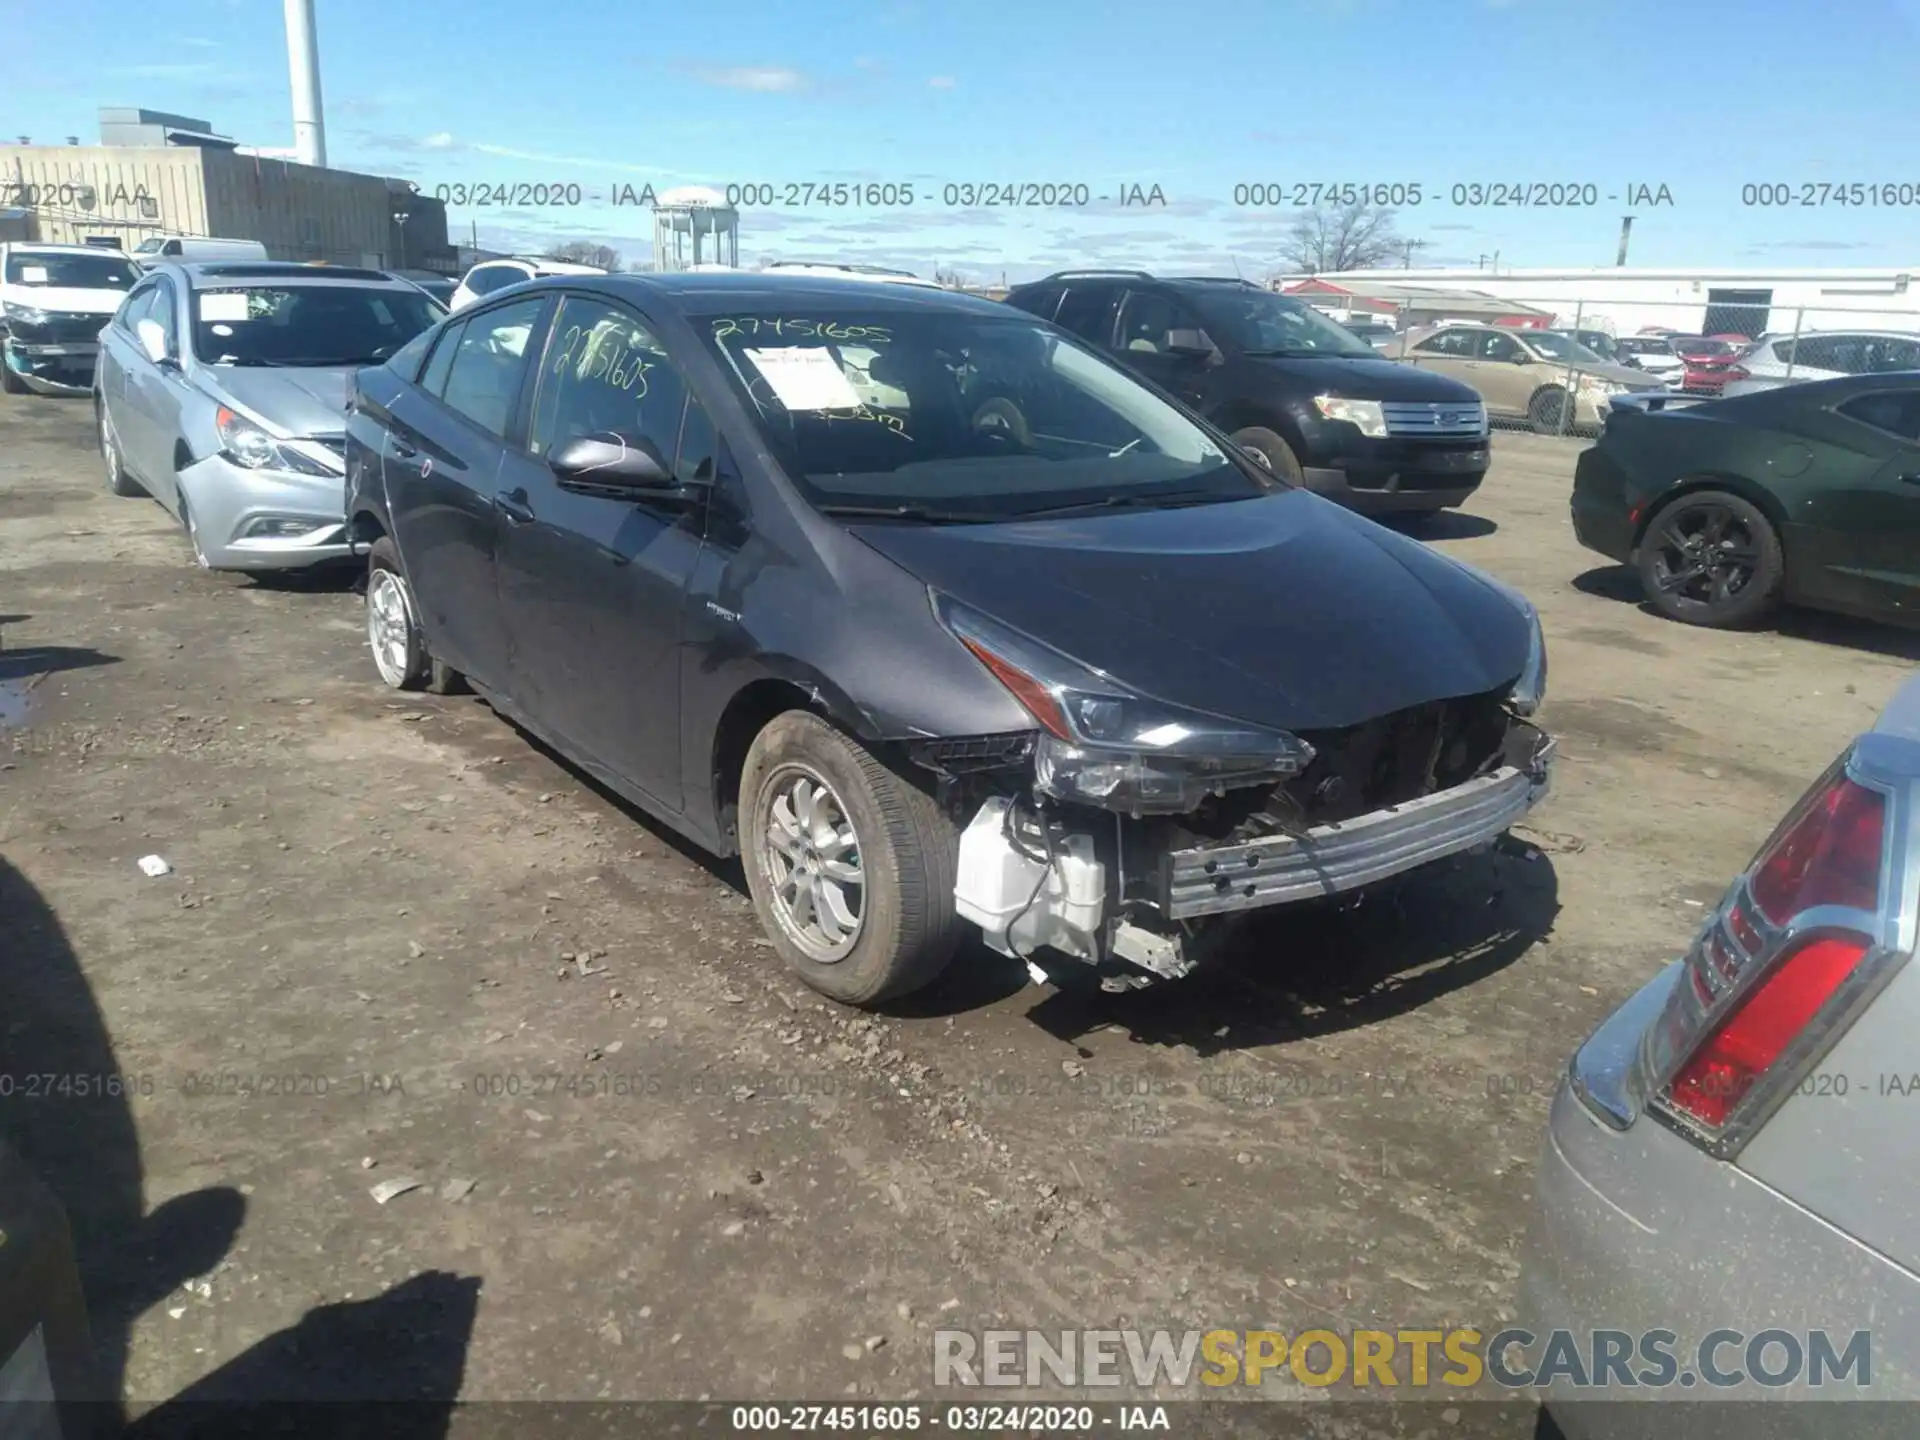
point(221, 392)
point(1726, 1206)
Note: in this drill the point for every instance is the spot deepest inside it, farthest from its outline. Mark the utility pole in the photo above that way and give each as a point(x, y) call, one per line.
point(1626, 229)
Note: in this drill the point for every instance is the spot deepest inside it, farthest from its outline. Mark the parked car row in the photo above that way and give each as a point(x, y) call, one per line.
point(1545, 377)
point(1025, 618)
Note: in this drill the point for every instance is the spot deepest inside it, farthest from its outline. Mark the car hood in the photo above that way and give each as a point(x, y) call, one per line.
point(290, 401)
point(63, 300)
point(1286, 610)
point(1376, 379)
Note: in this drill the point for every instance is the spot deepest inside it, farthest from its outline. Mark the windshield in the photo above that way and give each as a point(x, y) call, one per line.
point(69, 271)
point(1561, 347)
point(1699, 345)
point(307, 324)
point(1645, 347)
point(1261, 323)
point(943, 416)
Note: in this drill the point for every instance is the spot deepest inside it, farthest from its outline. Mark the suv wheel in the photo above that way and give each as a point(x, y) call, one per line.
point(1272, 450)
point(851, 868)
point(1544, 411)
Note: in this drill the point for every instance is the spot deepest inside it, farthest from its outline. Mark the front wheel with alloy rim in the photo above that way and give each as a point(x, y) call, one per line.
point(394, 635)
point(1711, 558)
point(851, 868)
point(1546, 412)
point(118, 480)
point(1272, 451)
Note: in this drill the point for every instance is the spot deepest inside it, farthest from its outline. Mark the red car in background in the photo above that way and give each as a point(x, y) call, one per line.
point(1711, 361)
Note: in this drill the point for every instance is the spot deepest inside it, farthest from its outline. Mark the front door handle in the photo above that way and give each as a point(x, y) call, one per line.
point(401, 448)
point(1912, 477)
point(514, 506)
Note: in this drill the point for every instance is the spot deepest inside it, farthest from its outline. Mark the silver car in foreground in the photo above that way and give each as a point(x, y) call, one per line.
point(221, 392)
point(1734, 1156)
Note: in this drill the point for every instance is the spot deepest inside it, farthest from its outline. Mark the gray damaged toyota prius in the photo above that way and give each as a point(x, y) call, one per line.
point(932, 615)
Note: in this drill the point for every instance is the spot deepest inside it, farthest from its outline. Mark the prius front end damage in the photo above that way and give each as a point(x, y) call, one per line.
point(1124, 829)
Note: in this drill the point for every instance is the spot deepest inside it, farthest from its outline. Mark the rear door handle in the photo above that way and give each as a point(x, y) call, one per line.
point(1912, 477)
point(401, 448)
point(514, 506)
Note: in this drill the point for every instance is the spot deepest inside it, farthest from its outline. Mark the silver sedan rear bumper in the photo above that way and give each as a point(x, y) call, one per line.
point(1329, 859)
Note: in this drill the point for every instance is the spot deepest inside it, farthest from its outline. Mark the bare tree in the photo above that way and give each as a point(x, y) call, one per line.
point(1341, 237)
point(586, 252)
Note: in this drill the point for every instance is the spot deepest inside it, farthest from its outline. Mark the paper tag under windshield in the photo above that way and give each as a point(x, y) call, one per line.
point(33, 274)
point(224, 305)
point(805, 377)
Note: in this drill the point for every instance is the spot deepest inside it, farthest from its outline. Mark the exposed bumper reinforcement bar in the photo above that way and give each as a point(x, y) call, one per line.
point(1329, 859)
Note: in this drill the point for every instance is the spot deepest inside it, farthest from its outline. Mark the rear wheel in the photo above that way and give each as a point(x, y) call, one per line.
point(118, 480)
point(1711, 558)
point(851, 868)
point(1271, 450)
point(394, 635)
point(1546, 411)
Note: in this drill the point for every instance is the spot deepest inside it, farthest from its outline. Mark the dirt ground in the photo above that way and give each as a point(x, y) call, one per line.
point(400, 941)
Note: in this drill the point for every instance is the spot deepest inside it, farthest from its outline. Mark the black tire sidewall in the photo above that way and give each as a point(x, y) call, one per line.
point(892, 955)
point(1543, 423)
point(119, 482)
point(1752, 603)
point(1280, 457)
point(383, 556)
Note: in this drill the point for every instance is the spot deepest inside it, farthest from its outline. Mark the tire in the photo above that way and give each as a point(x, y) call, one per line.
point(904, 850)
point(1545, 409)
point(119, 482)
point(394, 635)
point(1273, 449)
point(1711, 558)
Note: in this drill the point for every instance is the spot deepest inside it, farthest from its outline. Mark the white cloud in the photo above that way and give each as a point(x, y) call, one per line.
point(942, 82)
point(765, 79)
point(443, 140)
point(585, 162)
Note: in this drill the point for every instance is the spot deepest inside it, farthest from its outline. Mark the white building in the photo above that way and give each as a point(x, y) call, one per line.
point(1626, 300)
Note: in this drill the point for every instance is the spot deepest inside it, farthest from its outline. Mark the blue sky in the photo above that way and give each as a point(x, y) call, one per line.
point(1701, 96)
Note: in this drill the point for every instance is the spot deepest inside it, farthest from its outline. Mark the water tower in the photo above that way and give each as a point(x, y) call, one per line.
point(694, 227)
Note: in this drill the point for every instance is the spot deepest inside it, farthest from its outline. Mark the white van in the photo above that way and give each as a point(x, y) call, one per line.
point(196, 247)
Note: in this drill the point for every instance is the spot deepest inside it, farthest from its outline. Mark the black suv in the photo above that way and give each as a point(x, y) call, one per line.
point(1315, 402)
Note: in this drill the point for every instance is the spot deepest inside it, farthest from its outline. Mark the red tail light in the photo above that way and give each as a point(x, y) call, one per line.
point(1718, 1075)
point(1827, 853)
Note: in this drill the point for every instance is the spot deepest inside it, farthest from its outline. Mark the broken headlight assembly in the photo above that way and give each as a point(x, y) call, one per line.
point(1101, 744)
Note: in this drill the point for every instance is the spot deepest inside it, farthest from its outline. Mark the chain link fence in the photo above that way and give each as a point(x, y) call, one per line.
point(1557, 363)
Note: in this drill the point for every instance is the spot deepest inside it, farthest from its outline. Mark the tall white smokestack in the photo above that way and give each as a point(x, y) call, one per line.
point(303, 59)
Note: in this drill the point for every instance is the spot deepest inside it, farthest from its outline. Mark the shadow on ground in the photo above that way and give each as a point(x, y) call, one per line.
point(67, 1110)
point(1620, 583)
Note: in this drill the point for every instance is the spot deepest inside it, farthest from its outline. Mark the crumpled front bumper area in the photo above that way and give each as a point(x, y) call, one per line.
point(1328, 859)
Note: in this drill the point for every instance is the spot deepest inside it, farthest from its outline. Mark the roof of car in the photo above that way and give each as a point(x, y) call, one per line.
point(206, 274)
point(702, 293)
point(36, 247)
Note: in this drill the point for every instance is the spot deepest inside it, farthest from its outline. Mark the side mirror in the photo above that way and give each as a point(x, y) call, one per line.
point(608, 460)
point(1259, 457)
point(153, 340)
point(1521, 357)
point(1191, 345)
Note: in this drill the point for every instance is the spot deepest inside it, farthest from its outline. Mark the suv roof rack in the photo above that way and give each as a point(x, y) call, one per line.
point(1215, 280)
point(282, 269)
point(1128, 274)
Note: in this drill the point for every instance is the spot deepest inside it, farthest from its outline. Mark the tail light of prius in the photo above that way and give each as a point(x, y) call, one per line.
point(1774, 978)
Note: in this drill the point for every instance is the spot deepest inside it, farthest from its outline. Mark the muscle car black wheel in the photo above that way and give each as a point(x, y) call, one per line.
point(1272, 450)
point(1545, 410)
point(1711, 558)
point(394, 635)
point(851, 868)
